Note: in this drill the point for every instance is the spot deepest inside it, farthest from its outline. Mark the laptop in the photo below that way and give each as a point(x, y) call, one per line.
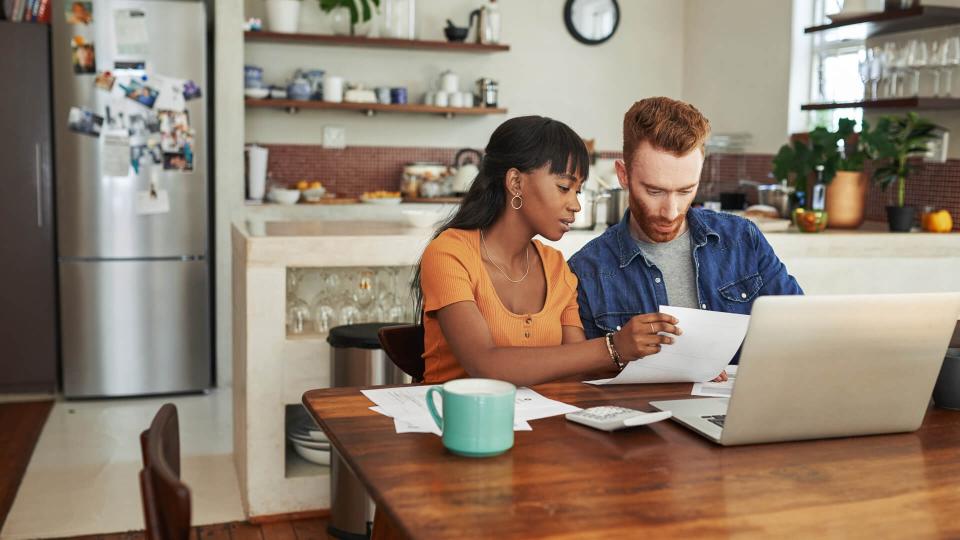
point(815, 367)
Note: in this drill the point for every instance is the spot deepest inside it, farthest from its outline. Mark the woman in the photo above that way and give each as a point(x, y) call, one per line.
point(494, 302)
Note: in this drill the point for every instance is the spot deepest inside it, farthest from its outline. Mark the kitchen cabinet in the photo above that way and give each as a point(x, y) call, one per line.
point(28, 307)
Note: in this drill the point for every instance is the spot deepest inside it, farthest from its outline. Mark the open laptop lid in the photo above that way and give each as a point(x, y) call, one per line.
point(834, 366)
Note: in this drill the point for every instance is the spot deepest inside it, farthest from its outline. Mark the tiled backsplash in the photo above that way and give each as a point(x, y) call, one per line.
point(353, 170)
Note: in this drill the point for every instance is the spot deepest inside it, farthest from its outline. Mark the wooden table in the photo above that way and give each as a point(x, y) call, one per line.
point(563, 480)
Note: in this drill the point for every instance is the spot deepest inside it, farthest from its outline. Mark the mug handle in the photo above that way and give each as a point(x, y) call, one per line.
point(433, 409)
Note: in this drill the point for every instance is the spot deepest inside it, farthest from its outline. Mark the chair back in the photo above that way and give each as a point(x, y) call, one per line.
point(404, 345)
point(166, 500)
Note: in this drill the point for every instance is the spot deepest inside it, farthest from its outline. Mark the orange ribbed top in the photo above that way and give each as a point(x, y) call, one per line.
point(452, 271)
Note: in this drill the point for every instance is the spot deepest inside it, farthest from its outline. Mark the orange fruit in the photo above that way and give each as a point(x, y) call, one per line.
point(302, 185)
point(939, 221)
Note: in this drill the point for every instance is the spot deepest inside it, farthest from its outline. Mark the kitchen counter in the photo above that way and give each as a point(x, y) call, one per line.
point(272, 369)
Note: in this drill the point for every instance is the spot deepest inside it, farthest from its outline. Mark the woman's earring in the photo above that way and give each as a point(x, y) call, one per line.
point(516, 202)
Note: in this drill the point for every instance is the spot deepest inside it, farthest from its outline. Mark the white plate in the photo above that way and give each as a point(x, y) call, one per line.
point(306, 439)
point(315, 445)
point(320, 457)
point(256, 93)
point(312, 434)
point(392, 200)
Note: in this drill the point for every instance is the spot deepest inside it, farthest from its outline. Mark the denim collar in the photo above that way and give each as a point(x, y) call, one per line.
point(628, 248)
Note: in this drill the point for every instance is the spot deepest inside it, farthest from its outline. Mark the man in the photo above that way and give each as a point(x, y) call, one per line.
point(663, 252)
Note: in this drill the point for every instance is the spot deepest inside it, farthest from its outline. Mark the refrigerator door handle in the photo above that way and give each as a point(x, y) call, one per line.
point(37, 178)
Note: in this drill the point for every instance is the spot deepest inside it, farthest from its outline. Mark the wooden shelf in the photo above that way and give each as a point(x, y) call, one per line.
point(293, 105)
point(379, 43)
point(889, 22)
point(918, 103)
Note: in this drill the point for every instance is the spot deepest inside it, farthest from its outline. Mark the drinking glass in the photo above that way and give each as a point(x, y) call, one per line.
point(363, 294)
point(917, 58)
point(864, 70)
point(298, 315)
point(951, 59)
point(876, 72)
point(349, 314)
point(324, 316)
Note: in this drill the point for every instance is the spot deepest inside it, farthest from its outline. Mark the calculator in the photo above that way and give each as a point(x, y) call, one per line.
point(610, 418)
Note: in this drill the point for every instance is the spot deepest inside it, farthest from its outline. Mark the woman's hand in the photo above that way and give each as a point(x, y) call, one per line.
point(641, 335)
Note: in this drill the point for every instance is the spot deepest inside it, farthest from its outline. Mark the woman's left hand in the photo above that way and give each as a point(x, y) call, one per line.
point(722, 377)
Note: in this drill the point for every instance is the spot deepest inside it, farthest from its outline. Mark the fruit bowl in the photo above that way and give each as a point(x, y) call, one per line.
point(314, 194)
point(810, 220)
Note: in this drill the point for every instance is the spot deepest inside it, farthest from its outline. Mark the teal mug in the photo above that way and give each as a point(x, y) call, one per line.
point(477, 418)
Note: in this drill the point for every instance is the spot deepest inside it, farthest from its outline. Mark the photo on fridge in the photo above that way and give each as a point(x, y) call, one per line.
point(104, 80)
point(78, 12)
point(84, 121)
point(140, 93)
point(178, 161)
point(84, 56)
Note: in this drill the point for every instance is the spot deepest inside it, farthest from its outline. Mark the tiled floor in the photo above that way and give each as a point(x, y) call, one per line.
point(83, 480)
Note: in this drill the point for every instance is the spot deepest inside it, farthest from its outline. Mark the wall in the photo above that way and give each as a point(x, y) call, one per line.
point(736, 67)
point(545, 72)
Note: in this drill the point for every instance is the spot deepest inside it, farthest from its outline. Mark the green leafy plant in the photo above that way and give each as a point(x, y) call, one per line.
point(800, 158)
point(894, 141)
point(357, 15)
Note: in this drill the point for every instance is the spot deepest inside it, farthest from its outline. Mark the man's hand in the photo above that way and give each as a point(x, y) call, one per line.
point(722, 377)
point(641, 335)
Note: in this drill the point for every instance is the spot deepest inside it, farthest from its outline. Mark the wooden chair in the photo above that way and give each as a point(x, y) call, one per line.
point(404, 345)
point(166, 500)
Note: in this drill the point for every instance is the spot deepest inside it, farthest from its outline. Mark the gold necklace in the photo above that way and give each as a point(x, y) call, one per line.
point(487, 251)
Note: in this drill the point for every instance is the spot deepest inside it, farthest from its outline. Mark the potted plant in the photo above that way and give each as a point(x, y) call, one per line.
point(283, 15)
point(842, 170)
point(894, 141)
point(347, 13)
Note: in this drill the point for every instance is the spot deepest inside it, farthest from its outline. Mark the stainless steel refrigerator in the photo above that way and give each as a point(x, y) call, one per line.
point(133, 242)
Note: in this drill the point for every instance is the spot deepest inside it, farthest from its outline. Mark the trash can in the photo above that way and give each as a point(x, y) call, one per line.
point(355, 360)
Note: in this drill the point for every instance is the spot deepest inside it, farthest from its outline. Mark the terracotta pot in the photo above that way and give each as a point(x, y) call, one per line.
point(846, 200)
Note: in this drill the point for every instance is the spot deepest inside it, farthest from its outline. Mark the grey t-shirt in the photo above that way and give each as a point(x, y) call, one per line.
point(675, 261)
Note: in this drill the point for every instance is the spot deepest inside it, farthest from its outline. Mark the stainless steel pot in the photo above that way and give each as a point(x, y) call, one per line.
point(586, 218)
point(775, 195)
point(618, 201)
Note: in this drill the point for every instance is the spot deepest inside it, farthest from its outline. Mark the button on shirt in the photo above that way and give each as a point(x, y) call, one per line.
point(674, 261)
point(732, 264)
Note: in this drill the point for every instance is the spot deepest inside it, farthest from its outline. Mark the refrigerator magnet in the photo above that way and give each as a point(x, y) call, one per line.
point(191, 90)
point(84, 56)
point(78, 12)
point(171, 93)
point(156, 201)
point(130, 32)
point(115, 153)
point(104, 81)
point(84, 121)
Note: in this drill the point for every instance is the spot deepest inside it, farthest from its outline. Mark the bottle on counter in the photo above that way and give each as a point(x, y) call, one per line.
point(818, 201)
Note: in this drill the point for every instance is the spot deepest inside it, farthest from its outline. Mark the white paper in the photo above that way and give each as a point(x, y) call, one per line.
point(407, 405)
point(717, 389)
point(130, 32)
point(708, 343)
point(115, 153)
point(157, 202)
point(170, 95)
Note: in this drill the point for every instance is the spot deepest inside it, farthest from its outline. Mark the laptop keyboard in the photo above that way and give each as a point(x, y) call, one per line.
point(715, 418)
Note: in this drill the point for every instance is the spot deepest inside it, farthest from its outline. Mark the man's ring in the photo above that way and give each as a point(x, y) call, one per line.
point(652, 329)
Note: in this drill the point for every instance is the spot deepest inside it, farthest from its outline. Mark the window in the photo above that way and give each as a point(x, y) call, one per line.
point(835, 72)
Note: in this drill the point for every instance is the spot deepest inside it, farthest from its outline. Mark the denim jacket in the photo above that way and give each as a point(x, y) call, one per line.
point(733, 264)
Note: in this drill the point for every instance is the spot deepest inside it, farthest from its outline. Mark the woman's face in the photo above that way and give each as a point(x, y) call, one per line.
point(549, 200)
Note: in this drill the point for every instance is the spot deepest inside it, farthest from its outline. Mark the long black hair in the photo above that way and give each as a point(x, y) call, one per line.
point(525, 143)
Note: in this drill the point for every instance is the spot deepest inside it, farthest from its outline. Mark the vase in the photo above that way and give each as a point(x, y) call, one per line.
point(846, 200)
point(900, 218)
point(340, 21)
point(283, 15)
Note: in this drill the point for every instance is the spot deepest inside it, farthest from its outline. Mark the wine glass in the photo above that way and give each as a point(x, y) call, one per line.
point(298, 315)
point(876, 72)
point(864, 69)
point(324, 316)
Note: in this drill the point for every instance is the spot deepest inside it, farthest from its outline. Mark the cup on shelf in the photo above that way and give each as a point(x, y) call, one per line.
point(456, 99)
point(429, 98)
point(467, 99)
point(398, 95)
point(383, 94)
point(442, 99)
point(333, 89)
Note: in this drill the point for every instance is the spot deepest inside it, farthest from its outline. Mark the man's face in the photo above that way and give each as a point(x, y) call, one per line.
point(662, 187)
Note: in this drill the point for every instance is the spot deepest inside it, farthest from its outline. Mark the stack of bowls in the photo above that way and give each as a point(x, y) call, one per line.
point(309, 441)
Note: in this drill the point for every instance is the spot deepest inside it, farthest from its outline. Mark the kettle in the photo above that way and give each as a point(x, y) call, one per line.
point(466, 172)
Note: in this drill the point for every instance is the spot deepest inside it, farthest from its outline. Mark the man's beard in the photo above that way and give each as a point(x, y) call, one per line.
point(653, 226)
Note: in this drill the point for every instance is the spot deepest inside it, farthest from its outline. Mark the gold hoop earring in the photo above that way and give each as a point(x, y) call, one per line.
point(519, 204)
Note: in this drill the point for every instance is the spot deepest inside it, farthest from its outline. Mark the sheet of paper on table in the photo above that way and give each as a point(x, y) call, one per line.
point(717, 389)
point(407, 405)
point(708, 343)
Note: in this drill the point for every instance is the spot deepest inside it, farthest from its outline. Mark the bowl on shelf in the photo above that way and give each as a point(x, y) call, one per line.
point(313, 455)
point(314, 194)
point(256, 93)
point(284, 196)
point(422, 219)
point(455, 33)
point(810, 220)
